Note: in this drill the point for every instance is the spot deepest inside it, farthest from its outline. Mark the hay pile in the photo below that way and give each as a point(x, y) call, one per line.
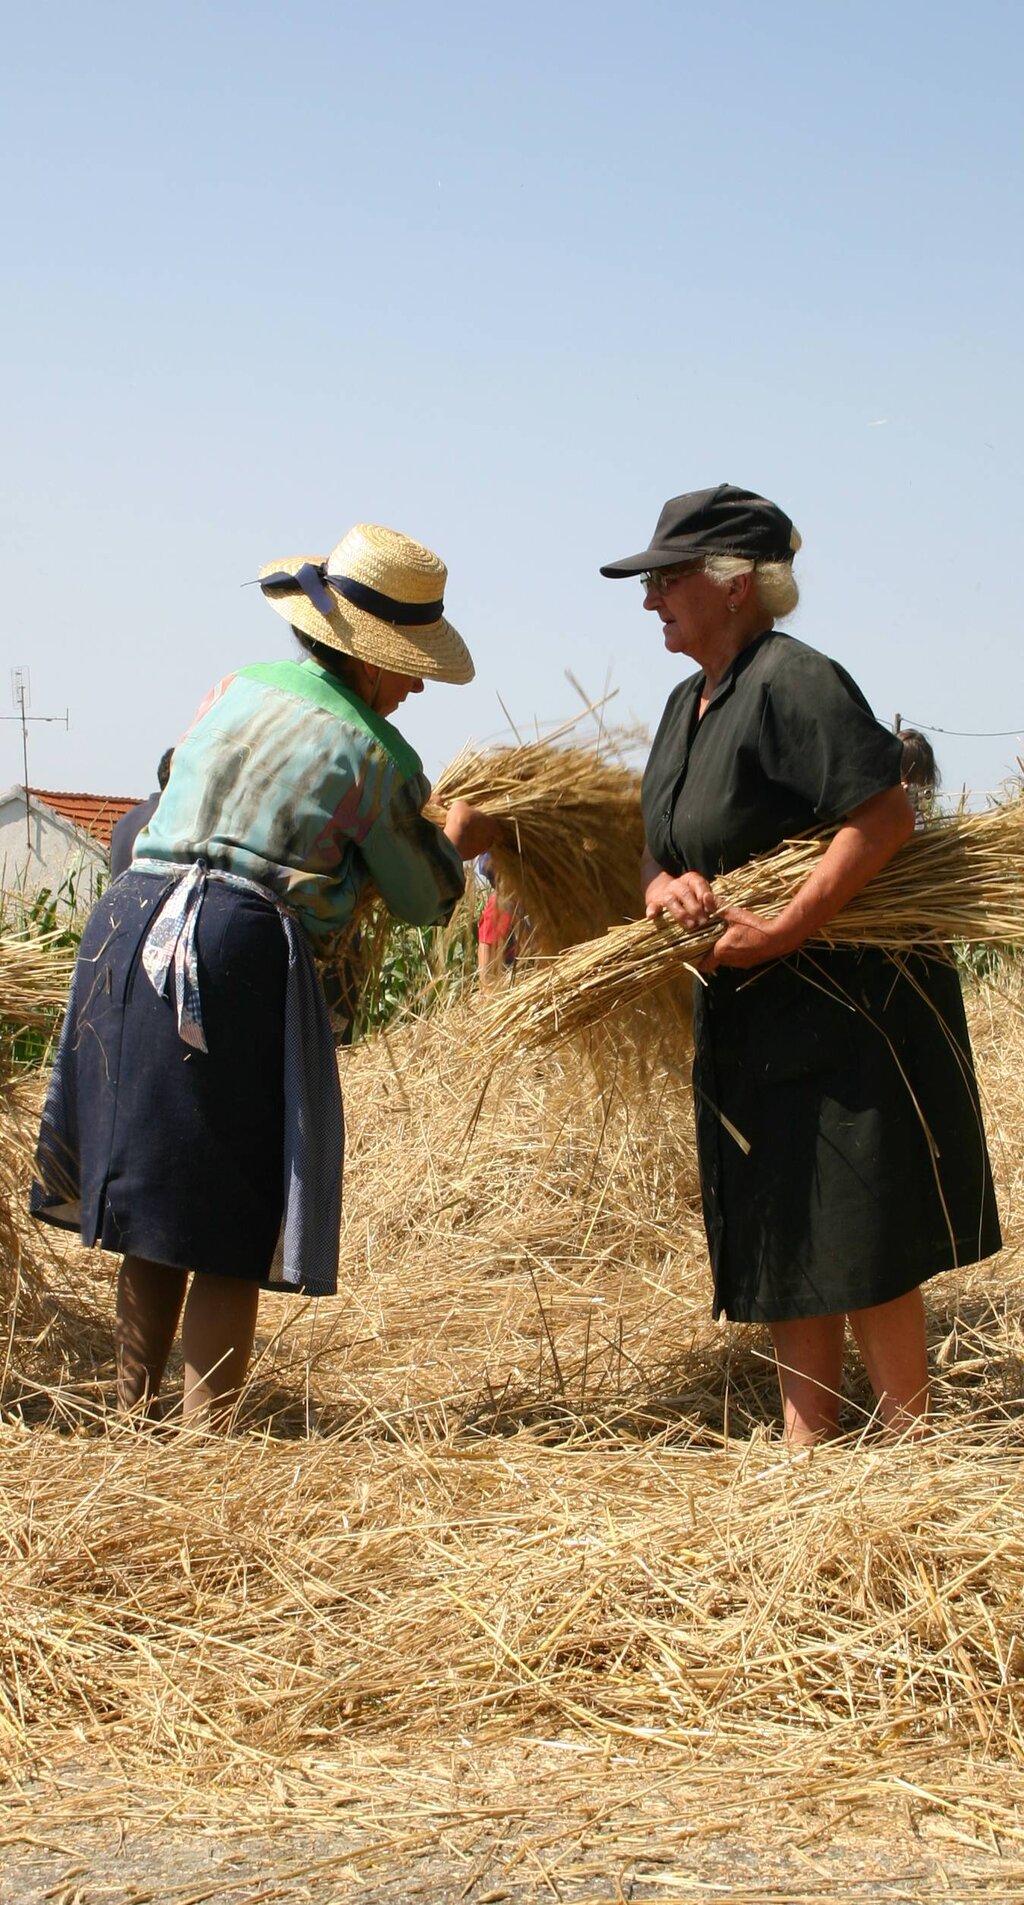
point(512, 1554)
point(500, 1268)
point(220, 1615)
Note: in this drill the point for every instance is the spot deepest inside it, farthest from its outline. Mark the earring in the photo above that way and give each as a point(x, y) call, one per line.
point(732, 607)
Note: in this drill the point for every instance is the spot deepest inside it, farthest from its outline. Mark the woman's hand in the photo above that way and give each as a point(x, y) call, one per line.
point(471, 831)
point(688, 899)
point(748, 940)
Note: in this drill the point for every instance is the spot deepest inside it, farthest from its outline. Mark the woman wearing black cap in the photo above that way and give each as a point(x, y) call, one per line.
point(840, 1138)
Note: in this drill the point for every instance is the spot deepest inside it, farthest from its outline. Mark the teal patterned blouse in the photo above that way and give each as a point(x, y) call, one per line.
point(286, 777)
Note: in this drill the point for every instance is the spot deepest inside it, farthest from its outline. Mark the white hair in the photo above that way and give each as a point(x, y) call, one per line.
point(776, 585)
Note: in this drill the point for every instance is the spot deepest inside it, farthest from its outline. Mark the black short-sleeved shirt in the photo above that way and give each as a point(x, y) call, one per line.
point(787, 742)
point(841, 1144)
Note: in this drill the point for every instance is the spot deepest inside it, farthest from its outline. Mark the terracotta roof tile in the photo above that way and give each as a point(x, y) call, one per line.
point(93, 813)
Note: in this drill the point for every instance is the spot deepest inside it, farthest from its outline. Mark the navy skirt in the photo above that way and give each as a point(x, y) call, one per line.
point(148, 1147)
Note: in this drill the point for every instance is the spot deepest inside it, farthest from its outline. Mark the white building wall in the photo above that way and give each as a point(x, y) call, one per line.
point(50, 853)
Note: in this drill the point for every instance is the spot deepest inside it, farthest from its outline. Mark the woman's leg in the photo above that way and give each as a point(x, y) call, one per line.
point(809, 1358)
point(217, 1336)
point(149, 1300)
point(891, 1340)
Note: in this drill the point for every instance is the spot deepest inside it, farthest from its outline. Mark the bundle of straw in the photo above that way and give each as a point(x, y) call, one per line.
point(961, 880)
point(574, 830)
point(571, 860)
point(569, 865)
point(572, 866)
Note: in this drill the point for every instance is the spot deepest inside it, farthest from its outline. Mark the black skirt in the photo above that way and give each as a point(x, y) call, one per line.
point(841, 1144)
point(149, 1147)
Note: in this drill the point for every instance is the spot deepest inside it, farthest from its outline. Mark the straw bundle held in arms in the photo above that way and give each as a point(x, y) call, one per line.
point(960, 880)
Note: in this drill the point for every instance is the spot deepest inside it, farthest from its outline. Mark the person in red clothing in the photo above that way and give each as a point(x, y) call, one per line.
point(497, 945)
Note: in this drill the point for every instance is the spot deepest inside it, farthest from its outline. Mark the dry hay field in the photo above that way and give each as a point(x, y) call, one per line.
point(506, 1589)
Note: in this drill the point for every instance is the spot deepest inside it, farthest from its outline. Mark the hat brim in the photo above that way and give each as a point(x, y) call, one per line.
point(648, 559)
point(431, 651)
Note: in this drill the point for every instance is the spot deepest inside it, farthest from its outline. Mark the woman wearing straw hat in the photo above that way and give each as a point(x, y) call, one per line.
point(841, 1146)
point(193, 1121)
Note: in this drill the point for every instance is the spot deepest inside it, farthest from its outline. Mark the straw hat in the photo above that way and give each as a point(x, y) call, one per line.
point(378, 596)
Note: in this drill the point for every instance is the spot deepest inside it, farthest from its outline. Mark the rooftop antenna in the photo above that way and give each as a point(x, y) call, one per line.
point(21, 695)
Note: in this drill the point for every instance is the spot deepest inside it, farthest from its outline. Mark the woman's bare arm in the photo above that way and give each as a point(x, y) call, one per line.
point(868, 838)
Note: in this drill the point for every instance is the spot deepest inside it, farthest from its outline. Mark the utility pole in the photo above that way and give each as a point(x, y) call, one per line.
point(21, 695)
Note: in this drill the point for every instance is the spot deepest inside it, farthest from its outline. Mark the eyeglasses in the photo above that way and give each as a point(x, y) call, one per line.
point(656, 579)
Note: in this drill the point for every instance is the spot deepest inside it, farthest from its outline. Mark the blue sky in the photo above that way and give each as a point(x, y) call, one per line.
point(506, 279)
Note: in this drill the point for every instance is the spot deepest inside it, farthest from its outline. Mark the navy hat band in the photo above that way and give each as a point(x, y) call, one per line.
point(313, 581)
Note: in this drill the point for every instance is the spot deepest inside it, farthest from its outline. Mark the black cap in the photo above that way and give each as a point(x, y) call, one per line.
point(713, 522)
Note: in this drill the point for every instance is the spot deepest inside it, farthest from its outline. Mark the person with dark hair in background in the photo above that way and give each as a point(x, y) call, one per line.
point(919, 773)
point(193, 1121)
point(127, 830)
